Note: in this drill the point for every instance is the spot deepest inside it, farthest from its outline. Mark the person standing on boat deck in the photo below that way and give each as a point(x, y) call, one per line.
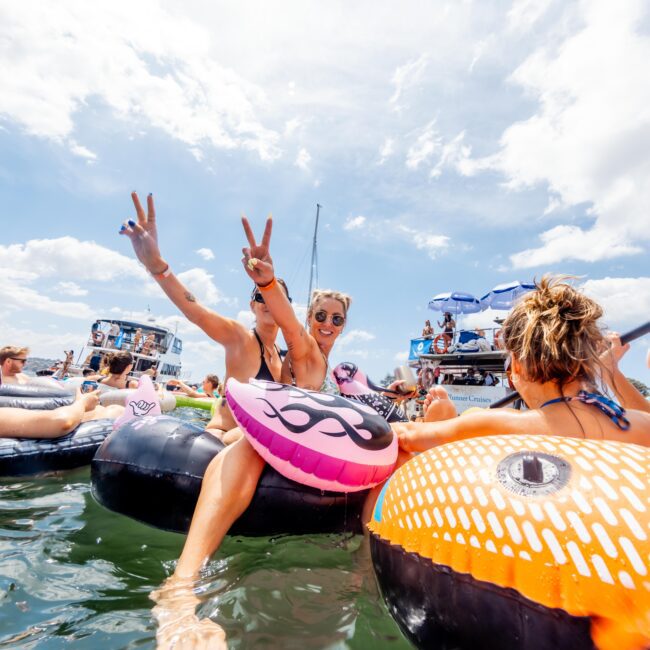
point(448, 326)
point(137, 340)
point(427, 330)
point(231, 478)
point(249, 353)
point(113, 333)
point(12, 363)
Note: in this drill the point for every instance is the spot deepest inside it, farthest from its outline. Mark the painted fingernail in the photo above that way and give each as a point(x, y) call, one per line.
point(123, 228)
point(131, 223)
point(150, 193)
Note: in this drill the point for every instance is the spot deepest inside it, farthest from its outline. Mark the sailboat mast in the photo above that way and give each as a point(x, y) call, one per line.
point(314, 257)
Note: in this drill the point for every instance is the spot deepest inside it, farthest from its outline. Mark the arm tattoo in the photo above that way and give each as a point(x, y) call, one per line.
point(189, 297)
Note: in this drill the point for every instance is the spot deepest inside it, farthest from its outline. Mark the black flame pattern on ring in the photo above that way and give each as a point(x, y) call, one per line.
point(380, 432)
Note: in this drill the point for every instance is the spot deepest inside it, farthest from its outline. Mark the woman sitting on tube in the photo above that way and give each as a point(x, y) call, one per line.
point(556, 363)
point(231, 477)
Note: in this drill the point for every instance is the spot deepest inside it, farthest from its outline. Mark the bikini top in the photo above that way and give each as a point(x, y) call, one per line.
point(610, 408)
point(264, 372)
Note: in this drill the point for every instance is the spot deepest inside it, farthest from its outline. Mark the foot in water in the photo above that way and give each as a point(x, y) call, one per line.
point(438, 406)
point(178, 624)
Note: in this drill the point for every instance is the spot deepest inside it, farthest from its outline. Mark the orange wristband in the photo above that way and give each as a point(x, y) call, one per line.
point(269, 286)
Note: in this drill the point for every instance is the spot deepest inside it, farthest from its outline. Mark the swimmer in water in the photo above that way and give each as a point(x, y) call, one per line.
point(249, 353)
point(556, 363)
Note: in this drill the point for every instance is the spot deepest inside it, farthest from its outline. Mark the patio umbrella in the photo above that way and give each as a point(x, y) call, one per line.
point(455, 302)
point(504, 296)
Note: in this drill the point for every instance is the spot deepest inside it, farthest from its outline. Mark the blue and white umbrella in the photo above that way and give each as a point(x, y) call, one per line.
point(455, 302)
point(504, 296)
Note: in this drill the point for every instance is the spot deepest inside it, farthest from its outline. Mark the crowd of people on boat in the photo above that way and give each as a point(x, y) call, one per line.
point(561, 364)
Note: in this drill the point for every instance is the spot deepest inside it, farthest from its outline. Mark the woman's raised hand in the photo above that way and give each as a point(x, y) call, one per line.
point(144, 235)
point(257, 259)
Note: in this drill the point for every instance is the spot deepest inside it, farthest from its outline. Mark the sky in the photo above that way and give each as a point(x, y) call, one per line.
point(453, 146)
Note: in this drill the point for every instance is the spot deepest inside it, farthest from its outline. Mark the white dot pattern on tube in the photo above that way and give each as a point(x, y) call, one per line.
point(477, 510)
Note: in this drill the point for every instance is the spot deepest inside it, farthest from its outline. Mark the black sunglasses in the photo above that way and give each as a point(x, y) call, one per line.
point(18, 359)
point(337, 319)
point(258, 297)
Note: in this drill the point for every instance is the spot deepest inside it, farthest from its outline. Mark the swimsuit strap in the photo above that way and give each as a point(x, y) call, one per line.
point(264, 371)
point(610, 408)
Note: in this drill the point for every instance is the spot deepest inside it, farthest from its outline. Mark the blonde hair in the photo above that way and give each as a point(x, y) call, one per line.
point(9, 351)
point(321, 294)
point(554, 334)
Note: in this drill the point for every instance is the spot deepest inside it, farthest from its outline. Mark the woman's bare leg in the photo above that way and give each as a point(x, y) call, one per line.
point(228, 488)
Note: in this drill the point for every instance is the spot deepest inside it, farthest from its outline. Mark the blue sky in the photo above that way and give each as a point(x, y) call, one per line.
point(453, 146)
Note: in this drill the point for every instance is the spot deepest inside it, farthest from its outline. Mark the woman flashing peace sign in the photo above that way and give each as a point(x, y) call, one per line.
point(249, 353)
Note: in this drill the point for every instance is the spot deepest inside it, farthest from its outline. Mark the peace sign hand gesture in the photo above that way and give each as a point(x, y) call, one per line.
point(257, 260)
point(144, 235)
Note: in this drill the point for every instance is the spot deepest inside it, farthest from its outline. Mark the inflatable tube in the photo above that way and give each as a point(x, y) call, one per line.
point(325, 441)
point(34, 396)
point(25, 456)
point(185, 401)
point(121, 396)
point(518, 542)
point(151, 469)
point(354, 384)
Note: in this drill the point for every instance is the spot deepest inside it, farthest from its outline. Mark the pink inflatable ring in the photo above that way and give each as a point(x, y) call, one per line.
point(324, 441)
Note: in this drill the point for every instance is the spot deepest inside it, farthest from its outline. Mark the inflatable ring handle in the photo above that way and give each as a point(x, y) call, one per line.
point(436, 348)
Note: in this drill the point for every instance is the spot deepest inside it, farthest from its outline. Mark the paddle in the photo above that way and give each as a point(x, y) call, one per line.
point(636, 333)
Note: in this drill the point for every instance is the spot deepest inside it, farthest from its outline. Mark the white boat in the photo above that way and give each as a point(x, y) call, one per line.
point(461, 371)
point(110, 335)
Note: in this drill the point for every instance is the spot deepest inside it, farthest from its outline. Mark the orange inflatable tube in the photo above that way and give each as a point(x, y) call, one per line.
point(528, 542)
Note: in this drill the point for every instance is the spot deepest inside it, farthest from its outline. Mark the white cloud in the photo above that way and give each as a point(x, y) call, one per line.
point(355, 336)
point(625, 301)
point(401, 357)
point(205, 253)
point(69, 258)
point(199, 282)
point(572, 243)
point(57, 59)
point(15, 296)
point(523, 14)
point(408, 75)
point(303, 159)
point(246, 318)
point(425, 146)
point(386, 151)
point(81, 151)
point(432, 243)
point(354, 223)
point(588, 140)
point(71, 289)
point(48, 344)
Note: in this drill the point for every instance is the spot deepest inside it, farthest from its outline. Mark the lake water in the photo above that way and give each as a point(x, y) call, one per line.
point(74, 575)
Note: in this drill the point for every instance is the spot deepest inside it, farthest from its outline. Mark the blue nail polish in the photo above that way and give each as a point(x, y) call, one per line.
point(123, 228)
point(150, 193)
point(131, 223)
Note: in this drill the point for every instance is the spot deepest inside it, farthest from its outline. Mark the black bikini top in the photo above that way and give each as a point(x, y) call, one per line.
point(264, 372)
point(610, 408)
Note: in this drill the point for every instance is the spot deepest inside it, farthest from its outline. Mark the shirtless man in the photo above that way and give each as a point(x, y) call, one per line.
point(249, 353)
point(12, 362)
